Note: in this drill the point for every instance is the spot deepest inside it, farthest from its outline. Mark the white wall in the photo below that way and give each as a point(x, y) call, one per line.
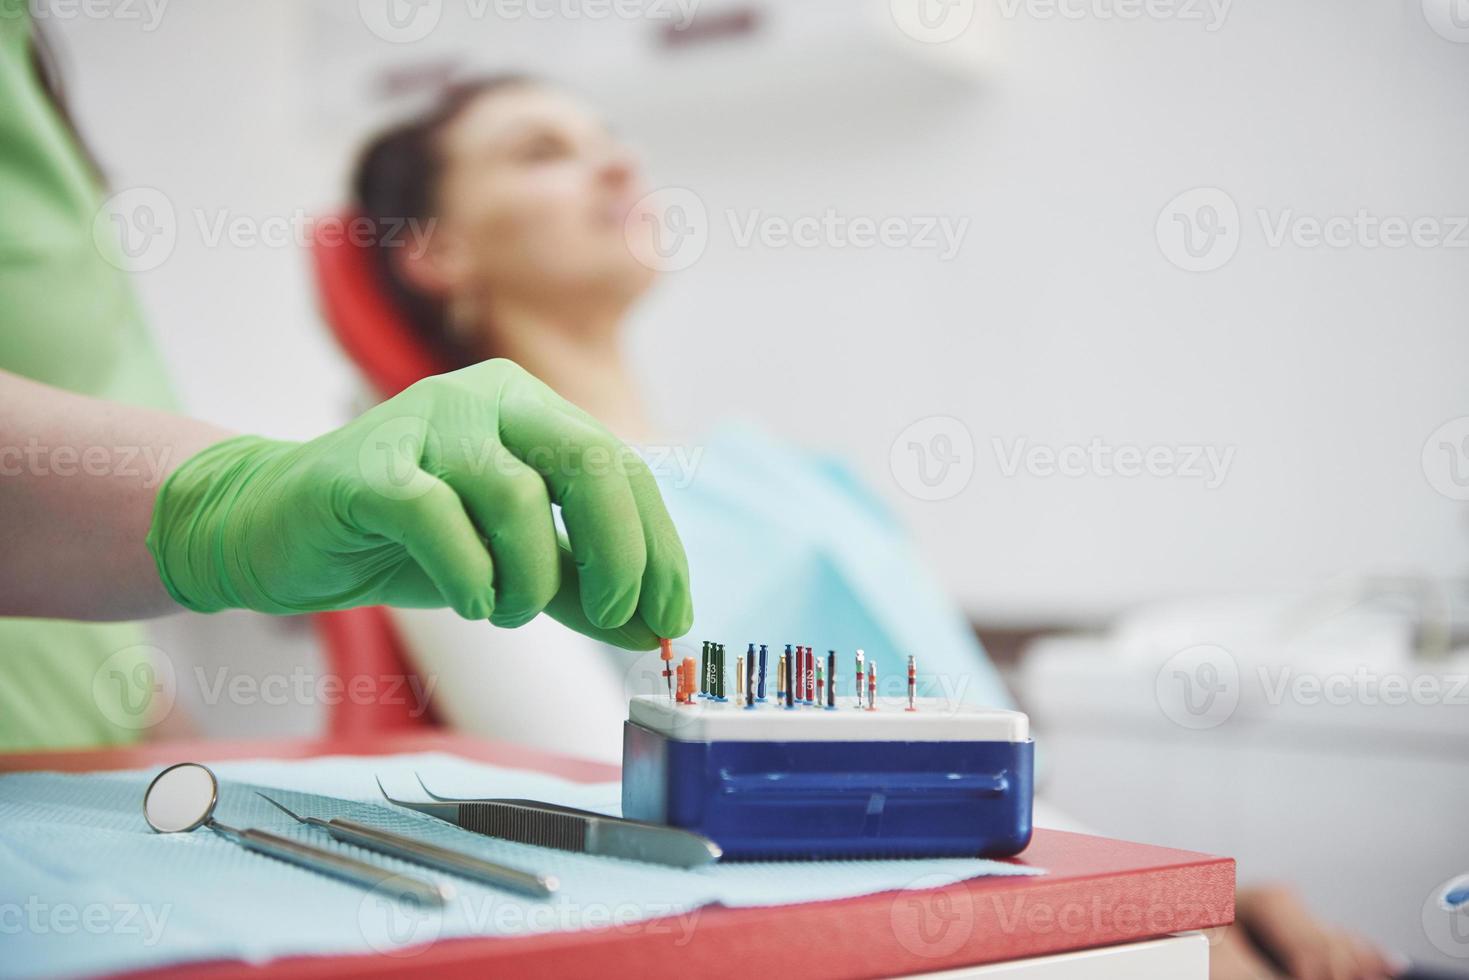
point(1059, 320)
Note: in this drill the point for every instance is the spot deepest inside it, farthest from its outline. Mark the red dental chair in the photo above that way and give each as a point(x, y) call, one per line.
point(362, 643)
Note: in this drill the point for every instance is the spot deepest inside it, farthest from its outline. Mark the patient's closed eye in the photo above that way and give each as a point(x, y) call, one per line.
point(541, 147)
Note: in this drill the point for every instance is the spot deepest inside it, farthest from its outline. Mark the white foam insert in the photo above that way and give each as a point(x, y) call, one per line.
point(935, 720)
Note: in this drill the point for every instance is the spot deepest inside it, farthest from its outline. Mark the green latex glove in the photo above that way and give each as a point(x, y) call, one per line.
point(440, 496)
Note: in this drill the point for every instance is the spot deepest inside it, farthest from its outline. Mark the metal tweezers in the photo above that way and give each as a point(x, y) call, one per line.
point(568, 829)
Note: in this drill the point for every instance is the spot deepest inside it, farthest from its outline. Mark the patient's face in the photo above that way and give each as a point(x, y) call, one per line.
point(533, 199)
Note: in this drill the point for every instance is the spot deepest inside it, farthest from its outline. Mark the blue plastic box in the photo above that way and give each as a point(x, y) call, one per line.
point(811, 782)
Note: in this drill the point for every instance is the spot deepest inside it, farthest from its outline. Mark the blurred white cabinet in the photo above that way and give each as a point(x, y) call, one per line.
point(1360, 805)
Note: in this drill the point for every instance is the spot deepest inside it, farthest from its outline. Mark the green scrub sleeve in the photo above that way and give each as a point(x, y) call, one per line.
point(70, 319)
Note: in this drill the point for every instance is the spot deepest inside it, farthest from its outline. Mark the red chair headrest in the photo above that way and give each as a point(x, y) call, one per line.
point(363, 317)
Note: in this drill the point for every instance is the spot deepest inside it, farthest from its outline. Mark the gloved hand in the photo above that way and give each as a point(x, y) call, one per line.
point(439, 496)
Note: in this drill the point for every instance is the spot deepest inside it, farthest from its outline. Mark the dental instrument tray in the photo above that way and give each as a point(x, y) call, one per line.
point(896, 777)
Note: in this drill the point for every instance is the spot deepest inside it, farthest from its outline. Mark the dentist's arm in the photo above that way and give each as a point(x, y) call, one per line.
point(77, 482)
point(440, 496)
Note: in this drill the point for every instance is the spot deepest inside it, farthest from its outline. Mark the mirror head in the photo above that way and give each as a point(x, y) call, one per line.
point(180, 798)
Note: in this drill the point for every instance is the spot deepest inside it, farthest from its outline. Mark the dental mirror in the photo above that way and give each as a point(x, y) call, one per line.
point(182, 798)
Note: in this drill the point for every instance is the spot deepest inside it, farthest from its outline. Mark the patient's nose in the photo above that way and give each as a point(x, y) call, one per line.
point(618, 167)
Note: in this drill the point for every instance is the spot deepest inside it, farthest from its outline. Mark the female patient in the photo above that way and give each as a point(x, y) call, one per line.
point(537, 255)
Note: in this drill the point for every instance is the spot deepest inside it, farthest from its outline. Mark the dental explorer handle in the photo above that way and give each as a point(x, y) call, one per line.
point(442, 858)
point(339, 866)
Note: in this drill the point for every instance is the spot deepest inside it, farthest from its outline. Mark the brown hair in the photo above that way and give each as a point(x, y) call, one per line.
point(396, 180)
